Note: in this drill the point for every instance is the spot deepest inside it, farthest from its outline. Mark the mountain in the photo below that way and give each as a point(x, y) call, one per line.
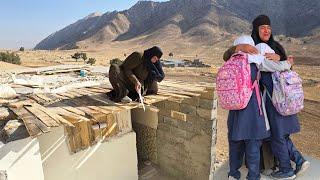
point(204, 22)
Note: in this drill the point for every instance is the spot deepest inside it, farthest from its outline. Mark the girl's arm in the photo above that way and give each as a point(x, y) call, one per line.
point(272, 66)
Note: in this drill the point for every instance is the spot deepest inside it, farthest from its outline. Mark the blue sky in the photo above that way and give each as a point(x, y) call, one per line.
point(27, 22)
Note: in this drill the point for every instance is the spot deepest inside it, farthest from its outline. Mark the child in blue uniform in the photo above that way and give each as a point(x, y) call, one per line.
point(248, 127)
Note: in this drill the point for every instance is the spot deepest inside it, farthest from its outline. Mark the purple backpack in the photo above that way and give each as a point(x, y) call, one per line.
point(287, 96)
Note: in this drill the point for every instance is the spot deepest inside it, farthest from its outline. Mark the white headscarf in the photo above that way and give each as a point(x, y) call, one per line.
point(244, 39)
point(252, 58)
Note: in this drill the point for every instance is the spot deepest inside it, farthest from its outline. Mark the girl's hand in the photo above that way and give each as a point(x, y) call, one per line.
point(291, 59)
point(272, 56)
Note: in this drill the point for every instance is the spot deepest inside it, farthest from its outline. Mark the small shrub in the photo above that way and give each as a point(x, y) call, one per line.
point(91, 61)
point(10, 58)
point(21, 49)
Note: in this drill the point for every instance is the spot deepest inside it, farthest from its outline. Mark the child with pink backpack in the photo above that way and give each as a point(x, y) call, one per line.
point(238, 91)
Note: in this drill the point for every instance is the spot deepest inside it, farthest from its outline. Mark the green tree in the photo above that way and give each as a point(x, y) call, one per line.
point(91, 61)
point(84, 56)
point(76, 56)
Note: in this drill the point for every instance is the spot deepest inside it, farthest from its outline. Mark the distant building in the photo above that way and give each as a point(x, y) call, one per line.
point(183, 63)
point(173, 63)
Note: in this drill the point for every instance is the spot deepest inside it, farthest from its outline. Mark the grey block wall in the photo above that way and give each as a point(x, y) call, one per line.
point(186, 136)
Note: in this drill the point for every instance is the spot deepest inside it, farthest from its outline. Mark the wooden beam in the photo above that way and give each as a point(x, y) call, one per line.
point(42, 116)
point(33, 125)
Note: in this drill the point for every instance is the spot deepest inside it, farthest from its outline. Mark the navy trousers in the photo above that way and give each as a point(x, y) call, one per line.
point(284, 150)
point(237, 149)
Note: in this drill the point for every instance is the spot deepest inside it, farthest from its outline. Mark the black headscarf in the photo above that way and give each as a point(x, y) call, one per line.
point(264, 20)
point(155, 69)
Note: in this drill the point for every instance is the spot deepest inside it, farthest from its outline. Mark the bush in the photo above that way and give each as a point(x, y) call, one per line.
point(10, 58)
point(91, 61)
point(171, 54)
point(21, 49)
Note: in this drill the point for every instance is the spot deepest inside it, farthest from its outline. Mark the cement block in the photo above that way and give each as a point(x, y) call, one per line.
point(170, 121)
point(164, 112)
point(170, 105)
point(147, 118)
point(207, 114)
point(208, 94)
point(159, 105)
point(179, 116)
point(208, 103)
point(193, 101)
point(188, 109)
point(146, 142)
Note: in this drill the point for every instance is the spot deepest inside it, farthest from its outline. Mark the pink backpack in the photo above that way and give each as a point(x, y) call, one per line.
point(234, 86)
point(287, 96)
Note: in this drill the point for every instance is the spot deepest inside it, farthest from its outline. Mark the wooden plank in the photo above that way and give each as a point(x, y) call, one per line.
point(74, 94)
point(107, 132)
point(84, 129)
point(74, 110)
point(69, 116)
point(66, 95)
point(42, 116)
point(20, 104)
point(53, 115)
point(45, 98)
point(59, 96)
point(71, 139)
point(82, 91)
point(33, 125)
point(100, 109)
point(37, 99)
point(97, 90)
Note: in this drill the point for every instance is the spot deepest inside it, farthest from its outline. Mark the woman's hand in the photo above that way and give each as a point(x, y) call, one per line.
point(246, 48)
point(138, 87)
point(272, 56)
point(291, 59)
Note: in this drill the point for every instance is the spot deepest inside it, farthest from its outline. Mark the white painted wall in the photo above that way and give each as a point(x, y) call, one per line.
point(112, 160)
point(21, 159)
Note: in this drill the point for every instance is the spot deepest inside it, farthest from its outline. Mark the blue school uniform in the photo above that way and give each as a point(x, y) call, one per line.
point(281, 128)
point(246, 129)
point(247, 123)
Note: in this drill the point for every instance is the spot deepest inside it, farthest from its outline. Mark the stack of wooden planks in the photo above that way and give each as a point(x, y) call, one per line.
point(88, 115)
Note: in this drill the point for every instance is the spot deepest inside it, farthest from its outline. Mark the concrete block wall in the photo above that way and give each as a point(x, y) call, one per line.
point(186, 136)
point(145, 125)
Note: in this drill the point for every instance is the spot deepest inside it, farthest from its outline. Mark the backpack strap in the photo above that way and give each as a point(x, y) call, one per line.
point(255, 86)
point(268, 93)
